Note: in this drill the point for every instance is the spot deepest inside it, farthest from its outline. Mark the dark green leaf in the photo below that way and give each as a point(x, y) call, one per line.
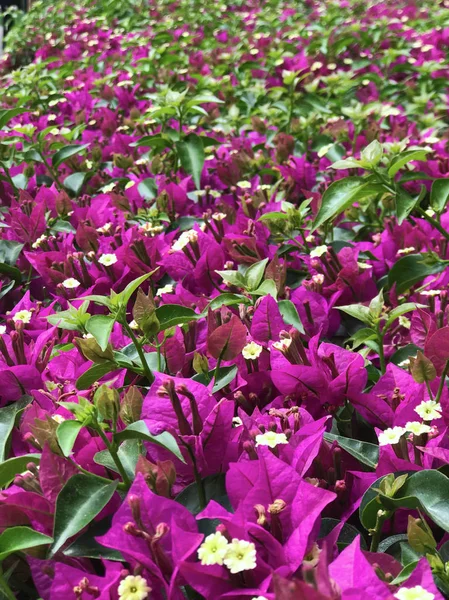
point(74, 182)
point(366, 453)
point(7, 115)
point(170, 315)
point(10, 251)
point(339, 196)
point(147, 189)
point(8, 416)
point(214, 489)
point(128, 453)
point(86, 546)
point(439, 194)
point(412, 269)
point(191, 155)
point(66, 152)
point(93, 374)
point(78, 503)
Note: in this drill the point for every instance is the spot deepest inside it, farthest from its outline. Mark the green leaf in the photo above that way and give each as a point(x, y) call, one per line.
point(7, 115)
point(366, 453)
point(100, 326)
point(439, 194)
point(214, 489)
point(191, 155)
point(14, 466)
point(81, 499)
point(103, 300)
point(132, 287)
point(347, 534)
point(404, 158)
point(226, 299)
point(401, 310)
point(405, 573)
point(358, 311)
point(66, 434)
point(139, 431)
point(254, 274)
point(15, 539)
point(128, 453)
point(224, 376)
point(170, 315)
point(232, 277)
point(268, 287)
point(10, 251)
point(147, 189)
point(427, 490)
point(86, 545)
point(74, 182)
point(8, 416)
point(290, 314)
point(11, 272)
point(405, 203)
point(339, 196)
point(413, 268)
point(66, 152)
point(93, 374)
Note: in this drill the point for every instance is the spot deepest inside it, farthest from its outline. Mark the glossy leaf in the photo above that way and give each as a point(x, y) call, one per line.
point(439, 195)
point(14, 466)
point(67, 152)
point(93, 374)
point(16, 539)
point(170, 315)
point(66, 435)
point(100, 326)
point(139, 431)
point(339, 196)
point(191, 155)
point(78, 503)
point(366, 453)
point(412, 269)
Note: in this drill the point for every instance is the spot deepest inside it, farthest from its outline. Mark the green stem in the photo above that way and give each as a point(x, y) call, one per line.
point(115, 457)
point(198, 480)
point(382, 516)
point(148, 374)
point(121, 486)
point(442, 381)
point(433, 222)
point(52, 173)
point(429, 391)
point(5, 589)
point(380, 341)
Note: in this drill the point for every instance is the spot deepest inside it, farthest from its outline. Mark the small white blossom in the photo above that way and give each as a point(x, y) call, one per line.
point(240, 556)
point(185, 238)
point(318, 251)
point(417, 428)
point(392, 435)
point(252, 351)
point(167, 289)
point(71, 283)
point(133, 587)
point(2, 329)
point(22, 315)
point(414, 593)
point(429, 410)
point(271, 439)
point(213, 550)
point(107, 259)
point(39, 241)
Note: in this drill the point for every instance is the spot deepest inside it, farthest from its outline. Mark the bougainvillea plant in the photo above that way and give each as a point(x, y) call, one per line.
point(224, 336)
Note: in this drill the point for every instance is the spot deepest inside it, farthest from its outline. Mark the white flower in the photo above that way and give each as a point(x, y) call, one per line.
point(430, 292)
point(237, 422)
point(58, 418)
point(167, 289)
point(240, 556)
point(107, 259)
point(184, 239)
point(213, 550)
point(134, 324)
point(283, 345)
point(22, 315)
point(104, 228)
point(417, 428)
point(133, 587)
point(318, 251)
point(39, 241)
point(271, 439)
point(404, 322)
point(414, 593)
point(252, 351)
point(2, 329)
point(408, 250)
point(71, 283)
point(244, 185)
point(429, 410)
point(108, 188)
point(260, 598)
point(318, 279)
point(392, 435)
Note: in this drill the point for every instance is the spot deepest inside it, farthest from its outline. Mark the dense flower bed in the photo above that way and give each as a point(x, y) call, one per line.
point(224, 296)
